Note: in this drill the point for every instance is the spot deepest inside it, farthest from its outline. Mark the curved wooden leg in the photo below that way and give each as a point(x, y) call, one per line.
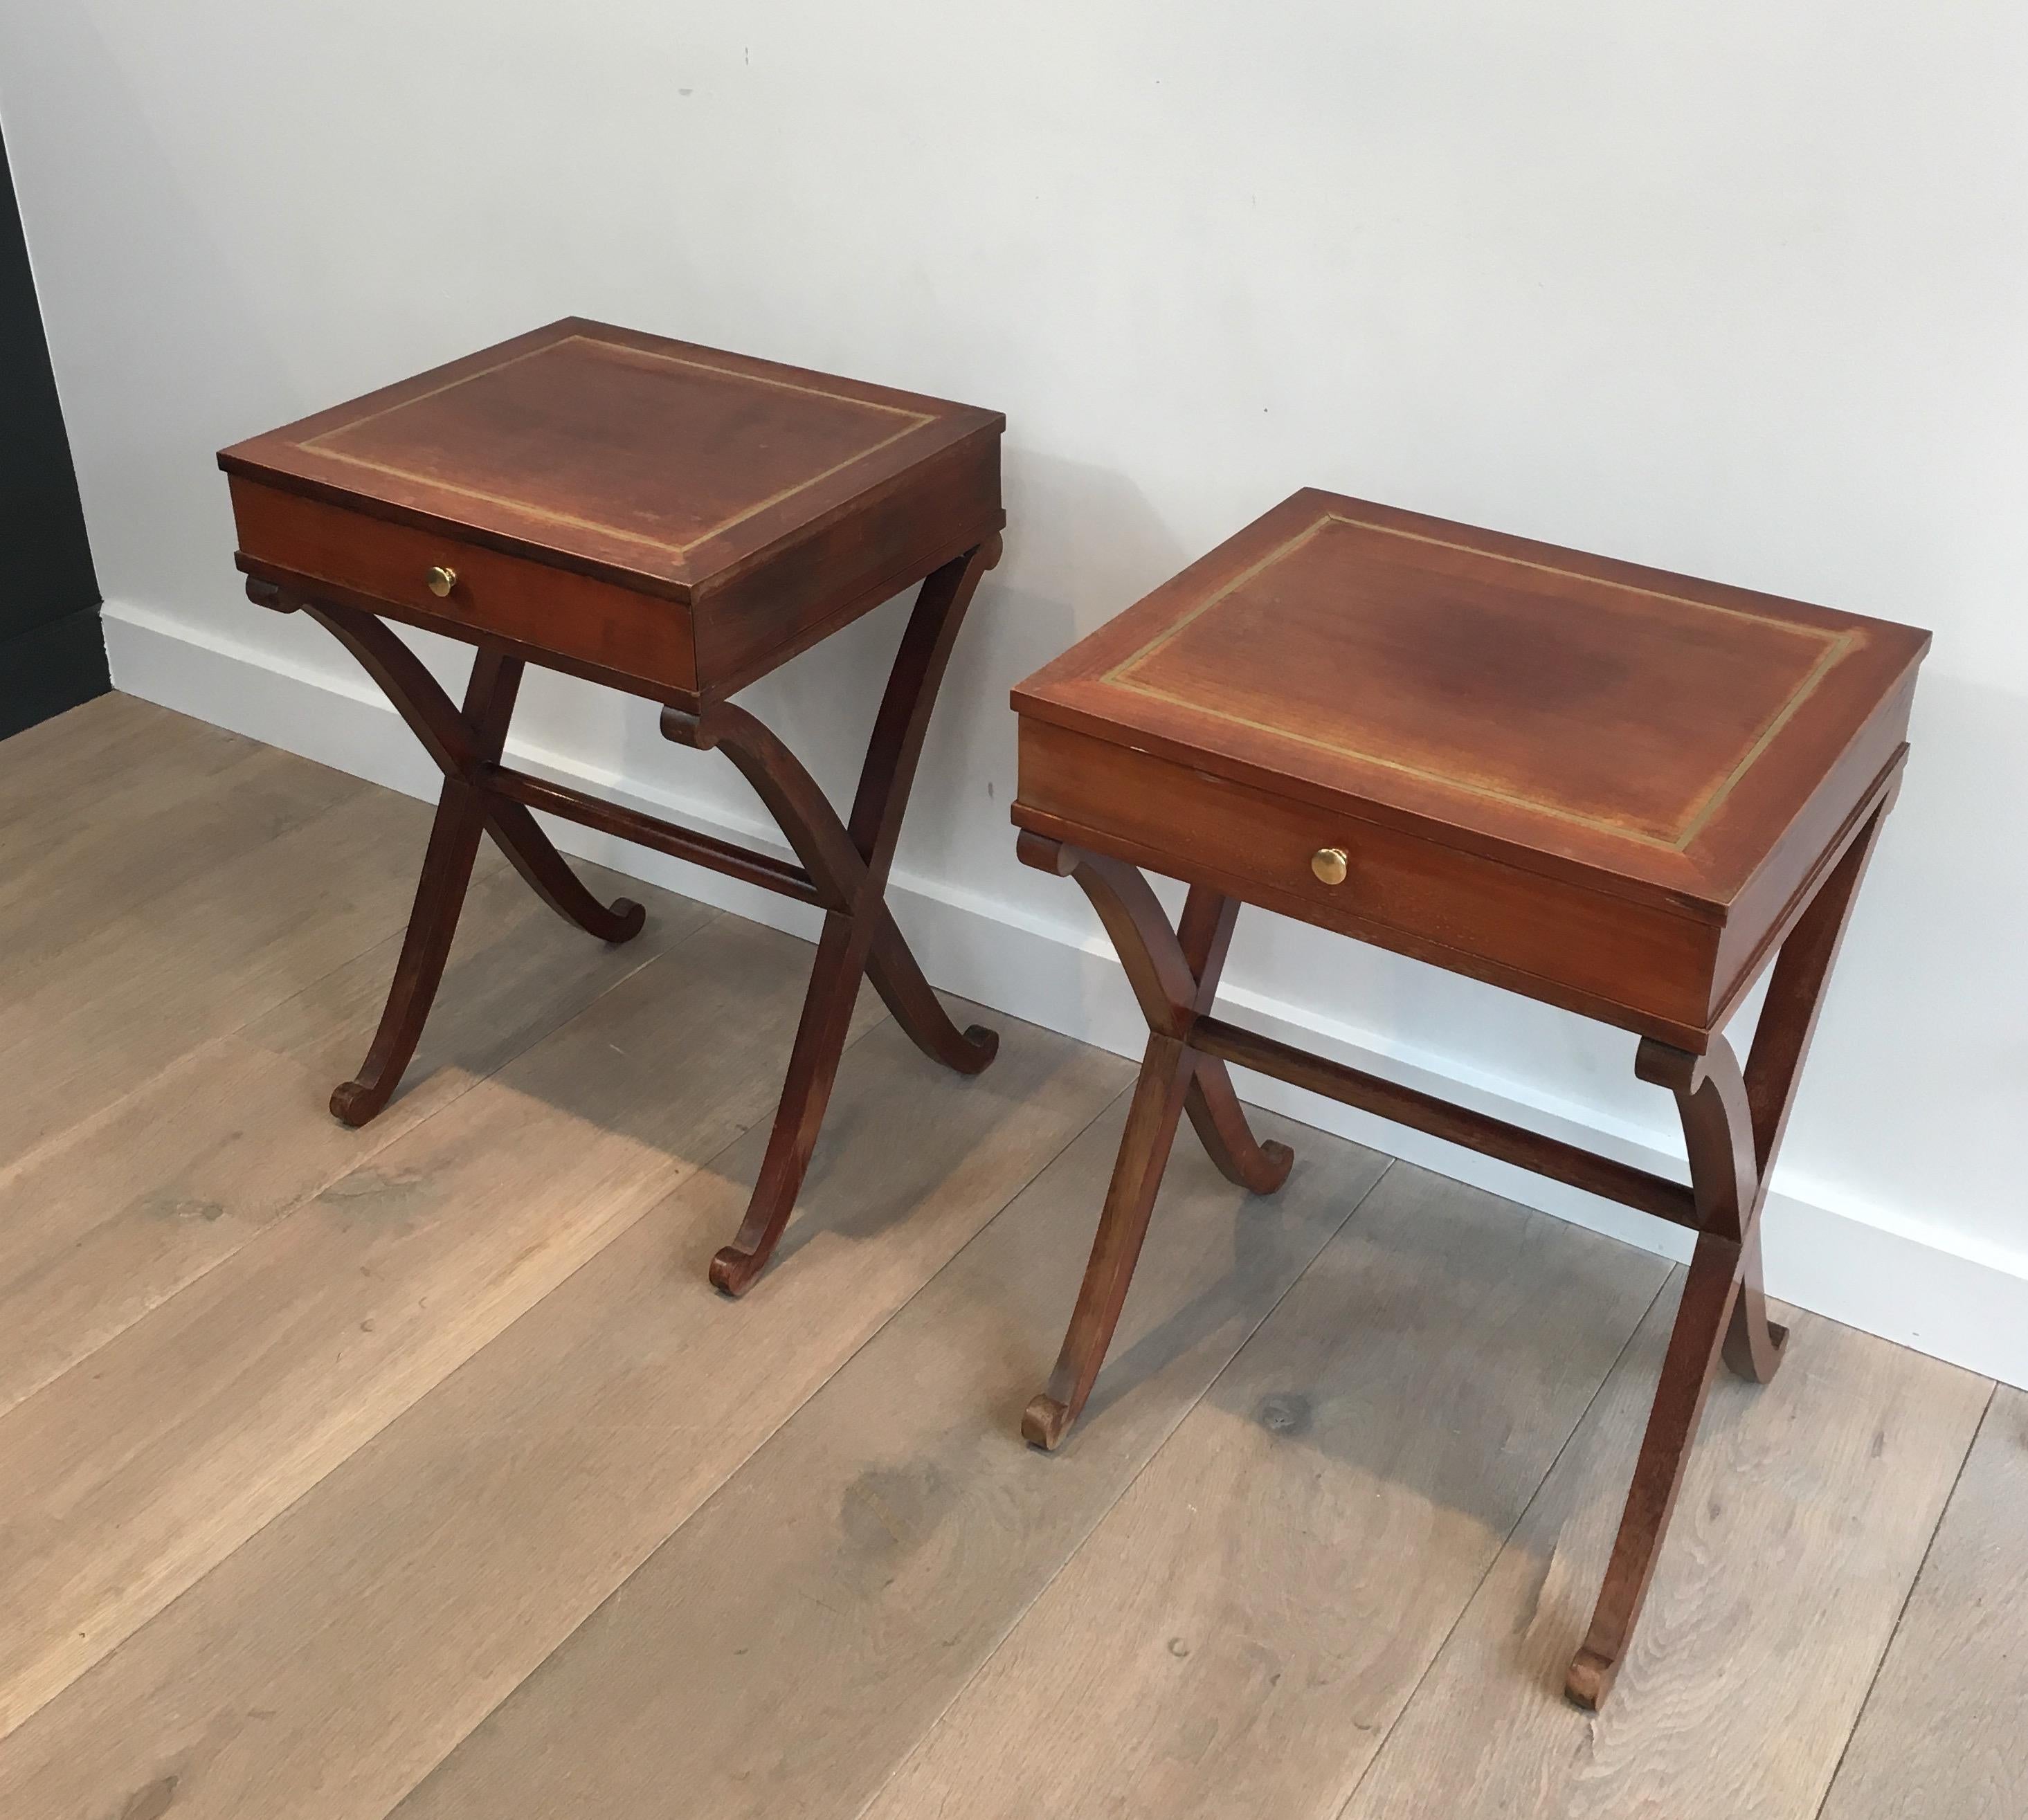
point(1701, 1321)
point(1166, 1071)
point(849, 862)
point(917, 1010)
point(432, 923)
point(1754, 1346)
point(464, 746)
point(1725, 1178)
point(520, 836)
point(1204, 935)
point(479, 732)
point(1174, 975)
point(1220, 1123)
point(813, 1062)
point(1733, 1124)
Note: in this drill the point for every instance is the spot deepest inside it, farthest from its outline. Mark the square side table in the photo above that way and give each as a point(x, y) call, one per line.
point(673, 522)
point(1616, 790)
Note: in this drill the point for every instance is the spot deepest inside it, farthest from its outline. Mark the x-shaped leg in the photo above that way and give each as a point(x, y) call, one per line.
point(845, 865)
point(849, 862)
point(1733, 1123)
point(1174, 976)
point(464, 744)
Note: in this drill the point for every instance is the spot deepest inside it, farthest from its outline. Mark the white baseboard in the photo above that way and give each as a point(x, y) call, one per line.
point(1904, 1279)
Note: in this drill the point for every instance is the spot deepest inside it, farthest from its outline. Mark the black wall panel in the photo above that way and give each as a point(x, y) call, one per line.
point(52, 655)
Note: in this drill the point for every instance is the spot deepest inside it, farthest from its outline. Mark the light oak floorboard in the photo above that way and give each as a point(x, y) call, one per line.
point(783, 1650)
point(329, 1445)
point(219, 1407)
point(126, 1000)
point(1240, 1632)
point(163, 825)
point(1944, 1733)
point(1796, 1537)
point(124, 1209)
point(85, 761)
point(325, 1665)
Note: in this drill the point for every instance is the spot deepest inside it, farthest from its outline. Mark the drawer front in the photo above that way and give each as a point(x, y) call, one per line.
point(1632, 964)
point(598, 627)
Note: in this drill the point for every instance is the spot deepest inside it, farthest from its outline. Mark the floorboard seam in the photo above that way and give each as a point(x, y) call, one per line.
point(739, 1466)
point(1915, 1580)
point(50, 1140)
point(1134, 1478)
point(1435, 1656)
point(619, 1228)
point(395, 1135)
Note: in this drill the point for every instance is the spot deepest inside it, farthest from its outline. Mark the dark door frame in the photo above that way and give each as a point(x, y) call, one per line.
point(52, 651)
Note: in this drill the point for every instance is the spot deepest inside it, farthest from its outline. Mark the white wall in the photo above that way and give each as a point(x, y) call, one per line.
point(1726, 287)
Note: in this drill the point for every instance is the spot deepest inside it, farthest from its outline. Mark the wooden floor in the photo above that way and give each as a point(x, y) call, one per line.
point(415, 1470)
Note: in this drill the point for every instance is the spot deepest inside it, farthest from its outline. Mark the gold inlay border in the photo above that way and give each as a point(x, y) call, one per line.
point(319, 445)
point(1836, 645)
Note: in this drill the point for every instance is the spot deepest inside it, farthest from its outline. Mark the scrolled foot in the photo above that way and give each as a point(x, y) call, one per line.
point(353, 1102)
point(733, 1271)
point(631, 915)
point(1590, 1680)
point(1754, 1346)
point(983, 1044)
point(1221, 1123)
point(1755, 1352)
point(1277, 1159)
point(1045, 1423)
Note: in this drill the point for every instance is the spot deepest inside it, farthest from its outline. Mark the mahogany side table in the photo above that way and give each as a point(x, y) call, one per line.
point(1619, 791)
point(672, 521)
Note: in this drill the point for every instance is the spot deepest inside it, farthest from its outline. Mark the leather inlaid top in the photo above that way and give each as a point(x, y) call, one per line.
point(1665, 728)
point(614, 452)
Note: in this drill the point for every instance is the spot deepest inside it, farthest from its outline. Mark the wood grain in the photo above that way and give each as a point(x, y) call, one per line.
point(283, 1536)
point(219, 1407)
point(100, 757)
point(437, 1566)
point(168, 818)
point(126, 1000)
point(1506, 924)
point(657, 463)
point(1942, 1737)
point(124, 1209)
point(1240, 1632)
point(595, 627)
point(1657, 736)
point(665, 518)
point(1808, 1504)
point(778, 1655)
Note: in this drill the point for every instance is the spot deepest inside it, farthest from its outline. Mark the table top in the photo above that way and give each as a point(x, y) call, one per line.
point(1507, 695)
point(655, 463)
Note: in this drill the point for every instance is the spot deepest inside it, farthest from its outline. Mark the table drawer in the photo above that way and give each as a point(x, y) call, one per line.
point(1636, 965)
point(612, 632)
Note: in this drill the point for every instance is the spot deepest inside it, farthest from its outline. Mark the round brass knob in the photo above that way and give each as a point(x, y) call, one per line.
point(441, 580)
point(1329, 864)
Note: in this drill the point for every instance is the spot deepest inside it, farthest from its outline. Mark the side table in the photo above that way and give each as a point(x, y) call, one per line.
point(673, 522)
point(1618, 791)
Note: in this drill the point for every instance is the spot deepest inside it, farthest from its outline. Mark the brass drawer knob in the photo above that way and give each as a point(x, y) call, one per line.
point(441, 580)
point(1329, 864)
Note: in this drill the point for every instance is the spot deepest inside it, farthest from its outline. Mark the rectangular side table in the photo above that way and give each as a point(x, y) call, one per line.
point(1619, 791)
point(673, 522)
